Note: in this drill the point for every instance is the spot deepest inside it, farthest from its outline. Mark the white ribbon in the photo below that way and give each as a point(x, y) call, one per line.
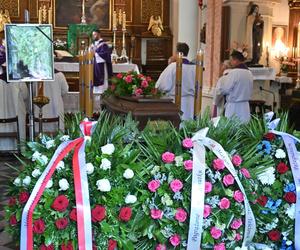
point(198, 186)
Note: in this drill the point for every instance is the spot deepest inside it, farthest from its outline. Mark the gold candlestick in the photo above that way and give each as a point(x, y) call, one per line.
point(82, 59)
point(83, 18)
point(89, 79)
point(178, 87)
point(115, 20)
point(198, 84)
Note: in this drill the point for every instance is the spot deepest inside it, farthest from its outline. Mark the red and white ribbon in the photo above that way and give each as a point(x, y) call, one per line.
point(84, 226)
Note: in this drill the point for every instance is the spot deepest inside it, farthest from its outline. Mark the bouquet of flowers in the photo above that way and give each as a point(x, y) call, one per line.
point(132, 84)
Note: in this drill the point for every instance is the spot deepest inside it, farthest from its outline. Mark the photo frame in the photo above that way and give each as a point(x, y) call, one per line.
point(279, 32)
point(70, 11)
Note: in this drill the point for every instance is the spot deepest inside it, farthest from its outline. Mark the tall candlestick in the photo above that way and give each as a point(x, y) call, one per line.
point(198, 84)
point(41, 89)
point(120, 16)
point(298, 40)
point(267, 54)
point(124, 21)
point(83, 18)
point(178, 87)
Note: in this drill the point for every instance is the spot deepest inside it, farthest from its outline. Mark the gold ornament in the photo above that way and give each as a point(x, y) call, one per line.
point(4, 19)
point(155, 25)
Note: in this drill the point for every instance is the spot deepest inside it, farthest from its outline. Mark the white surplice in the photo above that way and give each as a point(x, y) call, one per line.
point(237, 87)
point(167, 81)
point(54, 90)
point(13, 99)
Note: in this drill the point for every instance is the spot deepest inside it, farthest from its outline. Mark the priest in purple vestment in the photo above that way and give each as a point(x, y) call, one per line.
point(2, 61)
point(102, 63)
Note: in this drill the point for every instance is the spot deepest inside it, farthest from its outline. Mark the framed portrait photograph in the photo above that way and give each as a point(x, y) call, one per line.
point(70, 11)
point(279, 34)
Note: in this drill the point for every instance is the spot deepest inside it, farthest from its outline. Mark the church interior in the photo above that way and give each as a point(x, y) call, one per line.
point(100, 87)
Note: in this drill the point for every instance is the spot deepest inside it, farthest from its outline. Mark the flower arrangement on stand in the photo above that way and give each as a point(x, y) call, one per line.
point(132, 84)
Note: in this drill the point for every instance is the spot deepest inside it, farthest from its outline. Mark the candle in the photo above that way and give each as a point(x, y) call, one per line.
point(298, 40)
point(120, 17)
point(198, 83)
point(178, 90)
point(114, 20)
point(124, 21)
point(41, 89)
point(40, 15)
point(50, 15)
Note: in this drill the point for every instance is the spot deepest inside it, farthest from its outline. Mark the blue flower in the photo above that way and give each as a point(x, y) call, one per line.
point(265, 147)
point(272, 205)
point(289, 188)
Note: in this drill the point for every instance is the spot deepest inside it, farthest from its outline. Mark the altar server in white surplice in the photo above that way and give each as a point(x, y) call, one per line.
point(13, 100)
point(167, 81)
point(237, 88)
point(55, 91)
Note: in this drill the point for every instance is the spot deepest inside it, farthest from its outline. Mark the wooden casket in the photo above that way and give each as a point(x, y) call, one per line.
point(144, 109)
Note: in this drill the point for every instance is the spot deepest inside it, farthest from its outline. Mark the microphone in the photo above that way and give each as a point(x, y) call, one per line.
point(271, 92)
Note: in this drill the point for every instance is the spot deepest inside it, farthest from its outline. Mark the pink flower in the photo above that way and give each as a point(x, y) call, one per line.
point(187, 143)
point(215, 232)
point(153, 185)
point(207, 211)
point(208, 187)
point(144, 84)
point(138, 92)
point(120, 76)
point(228, 180)
point(224, 203)
point(148, 78)
point(236, 160)
point(161, 247)
point(168, 157)
point(220, 246)
point(188, 165)
point(180, 215)
point(238, 196)
point(236, 224)
point(237, 237)
point(176, 185)
point(246, 173)
point(156, 214)
point(218, 164)
point(175, 240)
point(128, 79)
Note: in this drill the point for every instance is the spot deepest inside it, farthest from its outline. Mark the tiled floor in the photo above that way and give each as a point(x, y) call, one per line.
point(5, 240)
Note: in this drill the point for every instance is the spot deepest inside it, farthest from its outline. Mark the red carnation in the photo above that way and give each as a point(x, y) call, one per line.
point(282, 168)
point(274, 235)
point(13, 220)
point(73, 214)
point(67, 247)
point(12, 201)
point(262, 200)
point(61, 223)
point(112, 244)
point(60, 203)
point(23, 197)
point(270, 136)
point(290, 197)
point(98, 213)
point(44, 247)
point(125, 214)
point(39, 226)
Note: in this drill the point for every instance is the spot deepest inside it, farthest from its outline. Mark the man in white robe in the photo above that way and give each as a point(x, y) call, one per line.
point(54, 90)
point(237, 88)
point(167, 81)
point(13, 100)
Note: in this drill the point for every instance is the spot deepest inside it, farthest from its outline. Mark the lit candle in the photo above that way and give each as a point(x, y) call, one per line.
point(115, 20)
point(124, 21)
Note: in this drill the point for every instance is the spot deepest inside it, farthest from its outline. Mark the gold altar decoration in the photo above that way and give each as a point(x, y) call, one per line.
point(198, 83)
point(45, 15)
point(178, 87)
point(4, 19)
point(156, 25)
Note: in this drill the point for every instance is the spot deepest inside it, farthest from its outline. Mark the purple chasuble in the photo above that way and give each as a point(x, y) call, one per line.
point(2, 60)
point(105, 53)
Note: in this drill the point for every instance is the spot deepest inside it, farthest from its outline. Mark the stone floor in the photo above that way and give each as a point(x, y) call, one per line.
point(6, 242)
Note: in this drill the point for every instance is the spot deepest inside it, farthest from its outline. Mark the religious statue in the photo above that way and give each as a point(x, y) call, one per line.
point(254, 34)
point(155, 25)
point(4, 18)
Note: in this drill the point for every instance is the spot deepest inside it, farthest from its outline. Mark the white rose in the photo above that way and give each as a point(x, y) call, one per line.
point(43, 159)
point(36, 155)
point(36, 173)
point(105, 164)
point(64, 138)
point(17, 182)
point(26, 181)
point(267, 177)
point(50, 144)
point(103, 185)
point(155, 170)
point(128, 174)
point(63, 185)
point(280, 154)
point(89, 168)
point(60, 166)
point(130, 199)
point(108, 149)
point(291, 211)
point(49, 184)
point(179, 161)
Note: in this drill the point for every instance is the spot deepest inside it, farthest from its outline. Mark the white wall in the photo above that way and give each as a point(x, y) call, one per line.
point(281, 13)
